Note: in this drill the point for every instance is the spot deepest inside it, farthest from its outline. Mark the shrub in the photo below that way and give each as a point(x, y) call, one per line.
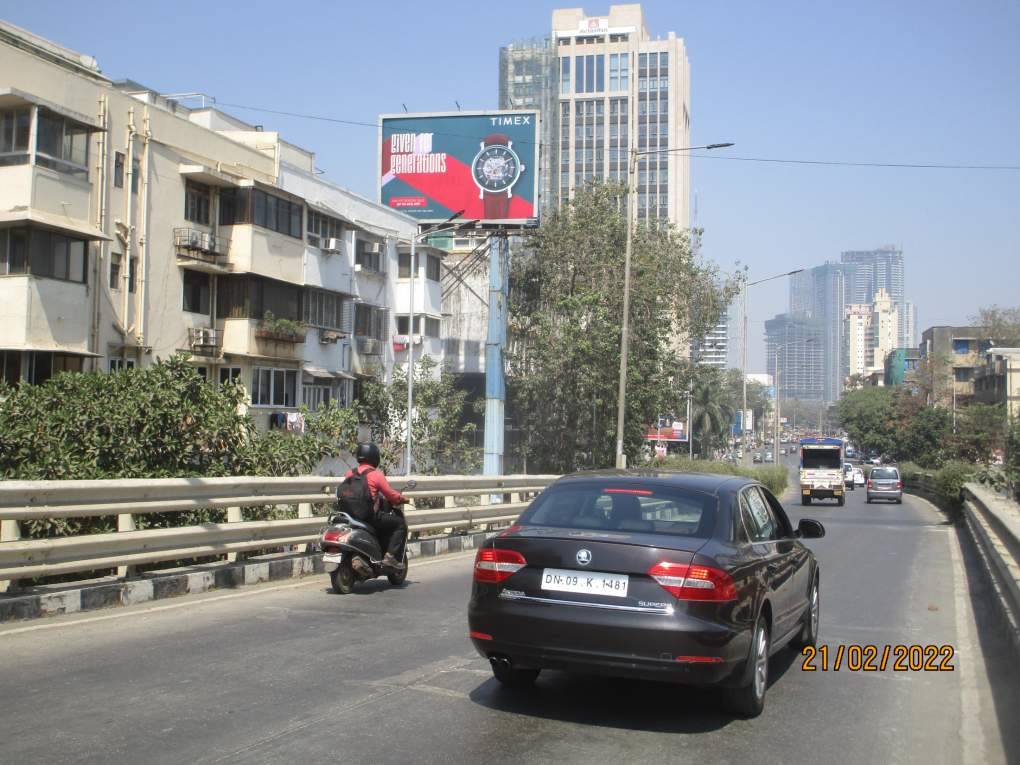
point(774, 477)
point(950, 478)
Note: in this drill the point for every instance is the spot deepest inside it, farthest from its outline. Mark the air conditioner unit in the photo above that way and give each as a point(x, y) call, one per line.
point(196, 240)
point(357, 267)
point(329, 245)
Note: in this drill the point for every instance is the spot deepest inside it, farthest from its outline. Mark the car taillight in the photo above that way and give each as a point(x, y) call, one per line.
point(686, 582)
point(899, 484)
point(871, 485)
point(493, 565)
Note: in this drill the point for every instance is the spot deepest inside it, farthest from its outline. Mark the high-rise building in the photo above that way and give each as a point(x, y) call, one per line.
point(529, 79)
point(798, 342)
point(885, 325)
point(872, 270)
point(713, 349)
point(910, 325)
point(617, 85)
point(858, 339)
point(819, 294)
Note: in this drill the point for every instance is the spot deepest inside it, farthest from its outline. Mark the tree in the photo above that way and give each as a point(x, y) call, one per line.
point(442, 442)
point(923, 440)
point(1002, 324)
point(711, 414)
point(981, 431)
point(867, 417)
point(566, 302)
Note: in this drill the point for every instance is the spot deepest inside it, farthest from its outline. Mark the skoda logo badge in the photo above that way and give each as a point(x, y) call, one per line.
point(583, 557)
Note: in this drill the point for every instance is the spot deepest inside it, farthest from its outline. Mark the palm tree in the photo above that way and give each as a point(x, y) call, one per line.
point(711, 415)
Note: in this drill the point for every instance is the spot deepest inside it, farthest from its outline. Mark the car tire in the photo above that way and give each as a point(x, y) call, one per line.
point(510, 676)
point(869, 500)
point(841, 501)
point(899, 502)
point(749, 700)
point(808, 635)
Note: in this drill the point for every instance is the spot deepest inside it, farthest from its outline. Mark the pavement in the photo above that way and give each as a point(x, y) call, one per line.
point(290, 671)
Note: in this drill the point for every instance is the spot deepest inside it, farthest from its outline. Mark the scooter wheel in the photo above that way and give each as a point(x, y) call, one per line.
point(397, 577)
point(343, 578)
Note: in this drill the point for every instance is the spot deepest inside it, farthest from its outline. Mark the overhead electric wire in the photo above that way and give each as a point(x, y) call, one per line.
point(769, 160)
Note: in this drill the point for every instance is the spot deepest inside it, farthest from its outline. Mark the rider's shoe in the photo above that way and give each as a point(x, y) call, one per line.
point(389, 562)
point(361, 568)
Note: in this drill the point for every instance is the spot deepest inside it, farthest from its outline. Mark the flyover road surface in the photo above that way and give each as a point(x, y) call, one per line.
point(291, 672)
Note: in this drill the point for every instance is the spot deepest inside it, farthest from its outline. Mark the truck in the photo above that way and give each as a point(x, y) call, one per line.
point(821, 470)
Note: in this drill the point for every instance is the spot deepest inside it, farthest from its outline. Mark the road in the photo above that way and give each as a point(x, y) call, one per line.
point(293, 672)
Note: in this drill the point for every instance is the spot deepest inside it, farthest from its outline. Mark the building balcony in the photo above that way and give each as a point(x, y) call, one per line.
point(256, 250)
point(43, 314)
point(34, 194)
point(251, 337)
point(201, 250)
point(369, 346)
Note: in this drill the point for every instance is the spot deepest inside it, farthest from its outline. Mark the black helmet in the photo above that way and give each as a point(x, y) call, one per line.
point(367, 453)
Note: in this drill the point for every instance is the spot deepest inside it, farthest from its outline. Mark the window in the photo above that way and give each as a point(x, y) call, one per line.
point(600, 508)
point(274, 387)
point(115, 258)
point(564, 75)
point(757, 515)
point(15, 125)
point(322, 227)
point(243, 206)
point(368, 255)
point(132, 274)
point(42, 365)
point(431, 327)
point(589, 74)
point(42, 252)
point(324, 309)
point(118, 169)
point(14, 251)
point(432, 268)
point(10, 367)
point(196, 292)
point(371, 321)
point(119, 364)
point(230, 374)
point(196, 202)
point(136, 172)
point(963, 374)
point(316, 396)
point(61, 144)
point(404, 264)
point(961, 347)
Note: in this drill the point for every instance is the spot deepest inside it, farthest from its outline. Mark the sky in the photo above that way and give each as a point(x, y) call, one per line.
point(910, 81)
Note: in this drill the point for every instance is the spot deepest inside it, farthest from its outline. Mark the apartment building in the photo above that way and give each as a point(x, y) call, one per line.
point(951, 357)
point(997, 379)
point(133, 227)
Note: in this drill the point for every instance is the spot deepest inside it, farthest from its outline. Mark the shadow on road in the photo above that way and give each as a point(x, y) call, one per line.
point(619, 702)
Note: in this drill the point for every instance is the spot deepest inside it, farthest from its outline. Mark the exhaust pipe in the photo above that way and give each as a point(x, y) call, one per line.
point(502, 661)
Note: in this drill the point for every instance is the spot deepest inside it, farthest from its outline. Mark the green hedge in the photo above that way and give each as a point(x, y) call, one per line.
point(946, 481)
point(774, 477)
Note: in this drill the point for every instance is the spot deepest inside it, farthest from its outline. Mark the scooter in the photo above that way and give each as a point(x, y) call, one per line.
point(347, 538)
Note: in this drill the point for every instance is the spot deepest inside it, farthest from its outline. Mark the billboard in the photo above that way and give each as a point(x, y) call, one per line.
point(484, 163)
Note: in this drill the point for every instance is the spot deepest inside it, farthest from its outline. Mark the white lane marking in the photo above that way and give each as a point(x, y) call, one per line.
point(972, 735)
point(313, 580)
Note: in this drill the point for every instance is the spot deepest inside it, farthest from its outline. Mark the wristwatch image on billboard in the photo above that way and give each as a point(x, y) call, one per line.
point(495, 169)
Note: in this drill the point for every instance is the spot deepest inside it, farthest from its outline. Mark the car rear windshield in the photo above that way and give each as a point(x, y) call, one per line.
point(623, 508)
point(885, 473)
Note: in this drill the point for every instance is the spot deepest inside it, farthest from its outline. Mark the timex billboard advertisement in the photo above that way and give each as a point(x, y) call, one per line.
point(484, 163)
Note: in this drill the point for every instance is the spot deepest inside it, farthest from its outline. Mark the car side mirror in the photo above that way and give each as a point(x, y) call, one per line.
point(809, 529)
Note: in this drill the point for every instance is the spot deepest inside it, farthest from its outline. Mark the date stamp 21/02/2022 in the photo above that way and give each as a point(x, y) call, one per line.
point(878, 658)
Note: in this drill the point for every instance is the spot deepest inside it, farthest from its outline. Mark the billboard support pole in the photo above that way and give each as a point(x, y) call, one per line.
point(495, 386)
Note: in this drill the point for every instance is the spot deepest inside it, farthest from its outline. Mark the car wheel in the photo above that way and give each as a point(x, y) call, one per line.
point(511, 676)
point(841, 501)
point(899, 502)
point(869, 500)
point(808, 635)
point(343, 578)
point(749, 700)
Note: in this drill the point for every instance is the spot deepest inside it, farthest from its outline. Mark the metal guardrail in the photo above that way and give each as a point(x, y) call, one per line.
point(128, 498)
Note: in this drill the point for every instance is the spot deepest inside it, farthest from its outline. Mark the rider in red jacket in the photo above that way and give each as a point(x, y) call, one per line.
point(390, 527)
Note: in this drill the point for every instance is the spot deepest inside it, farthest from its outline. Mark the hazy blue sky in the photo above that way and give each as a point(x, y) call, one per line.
point(917, 81)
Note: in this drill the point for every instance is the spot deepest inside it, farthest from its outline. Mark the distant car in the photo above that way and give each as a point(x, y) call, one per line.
point(683, 578)
point(769, 457)
point(848, 475)
point(858, 476)
point(885, 483)
point(757, 457)
point(875, 460)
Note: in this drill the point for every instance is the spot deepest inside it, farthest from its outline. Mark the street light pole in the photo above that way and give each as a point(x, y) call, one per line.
point(621, 397)
point(690, 427)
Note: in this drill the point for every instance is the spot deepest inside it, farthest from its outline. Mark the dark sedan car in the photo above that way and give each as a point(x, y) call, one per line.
point(694, 579)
